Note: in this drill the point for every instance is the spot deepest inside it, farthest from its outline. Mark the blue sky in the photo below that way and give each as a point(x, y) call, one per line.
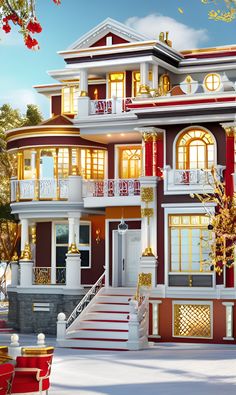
point(62, 25)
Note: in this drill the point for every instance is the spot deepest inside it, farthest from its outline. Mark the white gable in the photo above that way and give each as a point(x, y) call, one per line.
point(105, 27)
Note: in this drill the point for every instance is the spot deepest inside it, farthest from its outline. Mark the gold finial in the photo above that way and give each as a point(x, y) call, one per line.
point(148, 252)
point(162, 37)
point(15, 257)
point(73, 249)
point(167, 41)
point(26, 253)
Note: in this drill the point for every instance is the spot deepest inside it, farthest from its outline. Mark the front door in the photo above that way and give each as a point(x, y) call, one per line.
point(126, 258)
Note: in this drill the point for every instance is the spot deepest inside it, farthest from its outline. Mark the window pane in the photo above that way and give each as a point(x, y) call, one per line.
point(61, 256)
point(62, 233)
point(84, 234)
point(84, 258)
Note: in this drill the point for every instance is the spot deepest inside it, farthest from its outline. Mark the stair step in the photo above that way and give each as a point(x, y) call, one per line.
point(94, 344)
point(111, 308)
point(107, 316)
point(113, 299)
point(108, 325)
point(93, 334)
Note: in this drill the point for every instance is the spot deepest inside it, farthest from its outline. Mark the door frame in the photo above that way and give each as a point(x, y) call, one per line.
point(115, 256)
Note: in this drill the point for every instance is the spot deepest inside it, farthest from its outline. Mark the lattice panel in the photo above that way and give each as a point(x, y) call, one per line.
point(192, 320)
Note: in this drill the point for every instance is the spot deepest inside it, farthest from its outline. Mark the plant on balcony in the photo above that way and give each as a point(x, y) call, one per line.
point(21, 13)
point(222, 223)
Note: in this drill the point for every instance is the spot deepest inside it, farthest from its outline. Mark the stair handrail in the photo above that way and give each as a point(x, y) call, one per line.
point(85, 300)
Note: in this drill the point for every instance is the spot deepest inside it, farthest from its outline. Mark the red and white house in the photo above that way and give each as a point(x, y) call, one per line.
point(135, 128)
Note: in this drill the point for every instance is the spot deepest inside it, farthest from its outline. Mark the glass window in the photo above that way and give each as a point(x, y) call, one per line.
point(212, 82)
point(130, 162)
point(195, 150)
point(61, 241)
point(92, 163)
point(70, 99)
point(189, 243)
point(136, 82)
point(116, 85)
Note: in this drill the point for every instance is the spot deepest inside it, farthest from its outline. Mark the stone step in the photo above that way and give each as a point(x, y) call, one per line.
point(107, 316)
point(104, 325)
point(99, 334)
point(110, 307)
point(94, 344)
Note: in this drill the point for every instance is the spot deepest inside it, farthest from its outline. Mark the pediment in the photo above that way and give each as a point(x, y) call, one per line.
point(118, 30)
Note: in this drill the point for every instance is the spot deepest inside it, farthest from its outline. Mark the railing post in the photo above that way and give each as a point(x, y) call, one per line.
point(133, 335)
point(73, 270)
point(14, 273)
point(26, 273)
point(61, 326)
point(75, 185)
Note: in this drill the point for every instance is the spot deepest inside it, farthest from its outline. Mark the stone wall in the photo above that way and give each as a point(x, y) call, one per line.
point(24, 319)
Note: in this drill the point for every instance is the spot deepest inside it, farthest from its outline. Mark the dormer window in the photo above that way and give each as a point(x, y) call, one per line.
point(109, 40)
point(70, 99)
point(195, 150)
point(116, 85)
point(212, 82)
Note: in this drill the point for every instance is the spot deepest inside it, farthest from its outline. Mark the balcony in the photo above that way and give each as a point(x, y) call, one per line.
point(47, 189)
point(181, 182)
point(101, 193)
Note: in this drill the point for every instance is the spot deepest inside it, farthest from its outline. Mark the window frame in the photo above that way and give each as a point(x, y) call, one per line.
point(72, 90)
point(119, 147)
point(117, 81)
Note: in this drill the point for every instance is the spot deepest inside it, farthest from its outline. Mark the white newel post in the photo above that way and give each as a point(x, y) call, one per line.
point(33, 163)
point(26, 273)
point(133, 334)
point(148, 260)
point(14, 273)
point(61, 326)
point(73, 270)
point(75, 188)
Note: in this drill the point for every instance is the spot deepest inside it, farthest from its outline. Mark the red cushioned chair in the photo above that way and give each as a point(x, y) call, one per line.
point(6, 376)
point(32, 371)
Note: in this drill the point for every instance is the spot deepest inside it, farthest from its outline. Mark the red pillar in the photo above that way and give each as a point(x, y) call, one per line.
point(148, 142)
point(229, 187)
point(158, 154)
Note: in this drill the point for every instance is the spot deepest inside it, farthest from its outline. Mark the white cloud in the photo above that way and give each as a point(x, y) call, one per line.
point(182, 36)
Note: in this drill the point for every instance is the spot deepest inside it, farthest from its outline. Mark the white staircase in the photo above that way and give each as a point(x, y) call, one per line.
point(104, 322)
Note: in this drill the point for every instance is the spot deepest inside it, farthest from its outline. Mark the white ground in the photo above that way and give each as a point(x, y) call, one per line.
point(178, 369)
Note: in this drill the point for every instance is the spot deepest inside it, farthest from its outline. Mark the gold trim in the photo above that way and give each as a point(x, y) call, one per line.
point(73, 249)
point(26, 253)
point(147, 194)
point(230, 131)
point(28, 352)
point(148, 252)
point(206, 50)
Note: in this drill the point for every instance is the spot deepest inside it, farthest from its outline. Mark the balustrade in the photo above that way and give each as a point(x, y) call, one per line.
point(112, 188)
point(45, 189)
point(43, 275)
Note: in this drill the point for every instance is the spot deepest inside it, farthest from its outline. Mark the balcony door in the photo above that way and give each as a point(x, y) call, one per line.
point(130, 163)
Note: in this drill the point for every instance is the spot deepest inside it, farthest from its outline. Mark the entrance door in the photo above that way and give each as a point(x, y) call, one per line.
point(126, 257)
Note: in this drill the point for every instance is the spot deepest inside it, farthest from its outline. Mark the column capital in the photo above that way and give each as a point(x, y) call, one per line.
point(151, 133)
point(230, 128)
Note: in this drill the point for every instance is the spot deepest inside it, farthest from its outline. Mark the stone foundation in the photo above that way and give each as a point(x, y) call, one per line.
point(24, 318)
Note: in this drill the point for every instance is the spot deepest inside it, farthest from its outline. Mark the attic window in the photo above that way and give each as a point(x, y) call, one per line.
point(109, 40)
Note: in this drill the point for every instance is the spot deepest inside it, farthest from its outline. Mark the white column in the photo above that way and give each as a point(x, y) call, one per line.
point(71, 221)
point(155, 318)
point(83, 82)
point(33, 164)
point(24, 232)
point(229, 320)
point(154, 76)
point(144, 79)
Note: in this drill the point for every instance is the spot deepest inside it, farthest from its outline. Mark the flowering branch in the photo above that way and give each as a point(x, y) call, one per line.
point(21, 13)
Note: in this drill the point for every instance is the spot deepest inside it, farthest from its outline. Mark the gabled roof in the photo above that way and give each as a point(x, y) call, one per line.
point(58, 120)
point(109, 25)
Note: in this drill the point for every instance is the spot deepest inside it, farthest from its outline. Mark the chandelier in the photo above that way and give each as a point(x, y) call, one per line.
point(21, 13)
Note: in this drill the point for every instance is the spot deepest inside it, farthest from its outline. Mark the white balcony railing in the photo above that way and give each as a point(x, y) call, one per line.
point(46, 189)
point(111, 188)
point(187, 181)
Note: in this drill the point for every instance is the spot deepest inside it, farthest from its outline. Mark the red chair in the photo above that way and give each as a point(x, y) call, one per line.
point(32, 371)
point(6, 376)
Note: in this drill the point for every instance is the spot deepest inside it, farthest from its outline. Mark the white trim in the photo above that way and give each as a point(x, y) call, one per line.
point(182, 209)
point(157, 326)
point(192, 302)
point(229, 306)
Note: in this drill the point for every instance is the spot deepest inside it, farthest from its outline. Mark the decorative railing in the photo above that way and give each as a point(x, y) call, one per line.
point(45, 189)
point(110, 106)
point(193, 177)
point(111, 188)
point(79, 309)
point(43, 275)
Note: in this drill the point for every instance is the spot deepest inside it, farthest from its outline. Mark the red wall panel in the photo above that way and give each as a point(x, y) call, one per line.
point(43, 244)
point(115, 40)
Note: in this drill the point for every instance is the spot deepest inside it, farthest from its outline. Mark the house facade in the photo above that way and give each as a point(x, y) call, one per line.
point(135, 129)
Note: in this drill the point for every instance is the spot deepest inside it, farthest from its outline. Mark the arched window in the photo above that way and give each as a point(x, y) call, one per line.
point(195, 150)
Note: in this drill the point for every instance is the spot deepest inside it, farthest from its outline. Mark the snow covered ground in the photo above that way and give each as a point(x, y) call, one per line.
point(178, 369)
